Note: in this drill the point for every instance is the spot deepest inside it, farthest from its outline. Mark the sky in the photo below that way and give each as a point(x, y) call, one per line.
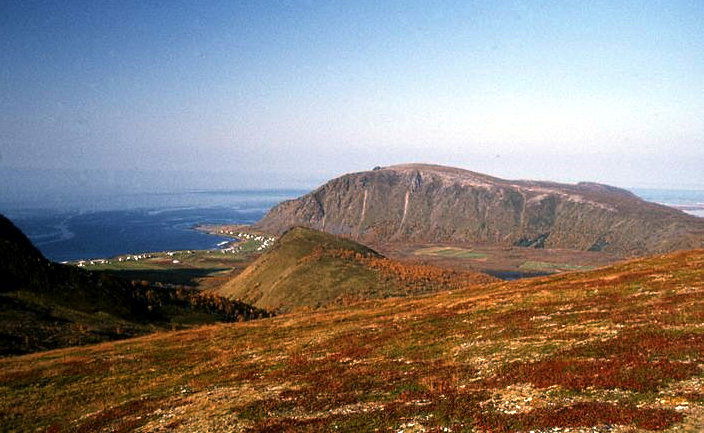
point(169, 95)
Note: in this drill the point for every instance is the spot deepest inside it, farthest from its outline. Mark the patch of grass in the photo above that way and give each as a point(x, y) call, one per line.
point(460, 253)
point(532, 265)
point(181, 276)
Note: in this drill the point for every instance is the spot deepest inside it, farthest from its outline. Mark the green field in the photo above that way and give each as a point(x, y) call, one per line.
point(531, 265)
point(460, 253)
point(177, 267)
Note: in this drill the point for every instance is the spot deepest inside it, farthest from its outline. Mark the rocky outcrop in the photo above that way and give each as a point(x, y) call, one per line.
point(430, 203)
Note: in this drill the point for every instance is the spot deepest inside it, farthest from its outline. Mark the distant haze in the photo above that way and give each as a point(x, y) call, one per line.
point(140, 96)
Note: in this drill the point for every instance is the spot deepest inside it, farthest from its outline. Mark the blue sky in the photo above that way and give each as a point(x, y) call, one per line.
point(287, 93)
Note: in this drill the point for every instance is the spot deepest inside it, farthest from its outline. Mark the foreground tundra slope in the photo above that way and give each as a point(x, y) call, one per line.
point(619, 349)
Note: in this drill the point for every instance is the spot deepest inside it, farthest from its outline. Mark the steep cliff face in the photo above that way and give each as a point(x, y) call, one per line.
point(429, 203)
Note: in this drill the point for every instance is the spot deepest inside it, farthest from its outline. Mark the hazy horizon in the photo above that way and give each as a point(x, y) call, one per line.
point(130, 96)
point(67, 189)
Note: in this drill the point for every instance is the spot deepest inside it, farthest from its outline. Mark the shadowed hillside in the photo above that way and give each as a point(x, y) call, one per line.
point(617, 349)
point(44, 305)
point(308, 268)
point(430, 203)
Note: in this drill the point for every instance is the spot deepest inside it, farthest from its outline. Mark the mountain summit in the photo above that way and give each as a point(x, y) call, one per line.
point(432, 203)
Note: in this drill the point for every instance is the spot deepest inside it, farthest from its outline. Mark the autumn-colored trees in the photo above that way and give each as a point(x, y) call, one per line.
point(410, 275)
point(157, 297)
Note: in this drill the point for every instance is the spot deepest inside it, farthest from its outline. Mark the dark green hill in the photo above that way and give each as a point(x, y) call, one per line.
point(309, 268)
point(46, 305)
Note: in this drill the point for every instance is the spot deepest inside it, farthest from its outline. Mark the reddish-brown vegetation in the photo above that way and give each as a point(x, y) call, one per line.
point(506, 357)
point(410, 274)
point(630, 373)
point(579, 415)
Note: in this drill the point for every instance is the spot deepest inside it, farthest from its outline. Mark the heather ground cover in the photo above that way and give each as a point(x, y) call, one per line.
point(619, 348)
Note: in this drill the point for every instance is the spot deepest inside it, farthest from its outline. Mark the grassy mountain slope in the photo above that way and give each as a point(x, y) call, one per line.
point(45, 305)
point(617, 349)
point(309, 268)
point(431, 203)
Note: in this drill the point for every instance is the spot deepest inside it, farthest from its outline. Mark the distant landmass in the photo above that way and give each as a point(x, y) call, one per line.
point(309, 268)
point(432, 203)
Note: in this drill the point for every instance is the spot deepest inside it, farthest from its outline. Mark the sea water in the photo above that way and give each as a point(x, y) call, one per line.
point(88, 227)
point(687, 200)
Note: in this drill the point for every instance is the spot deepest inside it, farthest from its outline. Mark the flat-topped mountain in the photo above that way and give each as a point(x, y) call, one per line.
point(431, 203)
point(309, 268)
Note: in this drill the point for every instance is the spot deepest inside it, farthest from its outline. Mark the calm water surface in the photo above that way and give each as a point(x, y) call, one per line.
point(98, 226)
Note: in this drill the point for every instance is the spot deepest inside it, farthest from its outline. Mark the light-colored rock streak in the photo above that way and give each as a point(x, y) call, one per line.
point(405, 210)
point(364, 212)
